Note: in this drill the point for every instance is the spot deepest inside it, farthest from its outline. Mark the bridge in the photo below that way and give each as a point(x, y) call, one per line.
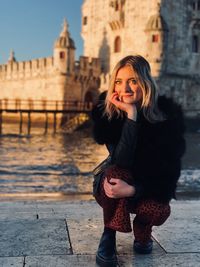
point(79, 111)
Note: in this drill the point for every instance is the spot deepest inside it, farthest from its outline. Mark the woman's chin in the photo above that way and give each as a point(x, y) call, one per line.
point(129, 101)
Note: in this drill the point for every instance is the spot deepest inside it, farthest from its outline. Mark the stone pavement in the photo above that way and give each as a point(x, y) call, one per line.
point(63, 233)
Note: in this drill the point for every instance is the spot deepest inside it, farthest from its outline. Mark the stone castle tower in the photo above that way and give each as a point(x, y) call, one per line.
point(58, 77)
point(165, 32)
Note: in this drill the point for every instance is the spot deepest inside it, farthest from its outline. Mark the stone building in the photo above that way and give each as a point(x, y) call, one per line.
point(55, 78)
point(165, 32)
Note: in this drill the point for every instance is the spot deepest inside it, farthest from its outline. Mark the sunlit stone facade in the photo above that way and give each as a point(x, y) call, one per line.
point(58, 77)
point(166, 32)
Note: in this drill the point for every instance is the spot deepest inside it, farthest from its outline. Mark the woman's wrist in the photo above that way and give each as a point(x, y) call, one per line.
point(132, 116)
point(131, 191)
point(132, 113)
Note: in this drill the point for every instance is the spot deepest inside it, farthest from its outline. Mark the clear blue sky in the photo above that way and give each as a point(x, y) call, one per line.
point(30, 27)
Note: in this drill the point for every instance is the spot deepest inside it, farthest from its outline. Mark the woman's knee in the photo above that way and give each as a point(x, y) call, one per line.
point(153, 212)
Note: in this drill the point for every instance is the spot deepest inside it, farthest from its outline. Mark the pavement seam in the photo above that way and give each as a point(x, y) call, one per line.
point(70, 243)
point(156, 240)
point(24, 261)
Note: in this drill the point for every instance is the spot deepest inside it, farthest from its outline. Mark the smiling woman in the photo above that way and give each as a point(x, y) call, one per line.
point(126, 86)
point(131, 82)
point(144, 136)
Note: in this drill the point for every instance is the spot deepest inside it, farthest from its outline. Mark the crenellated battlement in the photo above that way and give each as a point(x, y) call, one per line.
point(89, 66)
point(55, 78)
point(15, 69)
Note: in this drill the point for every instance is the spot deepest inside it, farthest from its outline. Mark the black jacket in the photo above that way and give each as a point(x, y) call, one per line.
point(151, 151)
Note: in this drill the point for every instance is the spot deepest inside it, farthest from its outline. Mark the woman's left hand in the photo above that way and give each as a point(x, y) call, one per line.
point(117, 188)
point(130, 109)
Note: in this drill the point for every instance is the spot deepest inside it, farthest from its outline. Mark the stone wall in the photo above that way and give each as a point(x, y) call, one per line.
point(57, 78)
point(163, 31)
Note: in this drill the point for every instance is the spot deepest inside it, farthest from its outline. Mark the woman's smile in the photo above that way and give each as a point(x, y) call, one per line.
point(126, 86)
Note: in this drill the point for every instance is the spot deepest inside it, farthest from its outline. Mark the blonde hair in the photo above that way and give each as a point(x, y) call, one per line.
point(147, 84)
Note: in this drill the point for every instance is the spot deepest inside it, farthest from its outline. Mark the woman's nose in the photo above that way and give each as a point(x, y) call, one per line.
point(126, 88)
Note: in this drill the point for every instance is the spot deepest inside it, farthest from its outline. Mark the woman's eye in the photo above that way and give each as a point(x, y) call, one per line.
point(133, 81)
point(117, 82)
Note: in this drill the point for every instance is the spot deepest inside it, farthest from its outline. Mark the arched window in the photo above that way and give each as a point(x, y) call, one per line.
point(198, 5)
point(62, 55)
point(117, 44)
point(195, 44)
point(155, 38)
point(85, 20)
point(88, 97)
point(116, 6)
point(193, 5)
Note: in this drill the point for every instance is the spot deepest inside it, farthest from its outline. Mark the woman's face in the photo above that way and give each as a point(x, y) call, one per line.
point(126, 85)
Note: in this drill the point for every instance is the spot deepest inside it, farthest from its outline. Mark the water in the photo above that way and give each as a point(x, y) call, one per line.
point(58, 166)
point(47, 166)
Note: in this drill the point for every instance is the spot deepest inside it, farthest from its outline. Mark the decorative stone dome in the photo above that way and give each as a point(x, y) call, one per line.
point(156, 23)
point(64, 40)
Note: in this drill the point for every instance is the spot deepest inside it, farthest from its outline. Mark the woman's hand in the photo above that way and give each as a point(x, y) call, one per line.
point(117, 188)
point(130, 109)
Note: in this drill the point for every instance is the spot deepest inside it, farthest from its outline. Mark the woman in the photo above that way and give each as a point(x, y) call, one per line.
point(144, 137)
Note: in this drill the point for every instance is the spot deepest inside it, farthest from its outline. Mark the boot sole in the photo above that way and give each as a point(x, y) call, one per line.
point(105, 263)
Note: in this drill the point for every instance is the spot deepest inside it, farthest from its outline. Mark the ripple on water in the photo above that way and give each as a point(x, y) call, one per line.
point(48, 163)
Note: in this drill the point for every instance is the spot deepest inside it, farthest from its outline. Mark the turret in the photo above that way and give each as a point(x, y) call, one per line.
point(157, 31)
point(11, 57)
point(64, 51)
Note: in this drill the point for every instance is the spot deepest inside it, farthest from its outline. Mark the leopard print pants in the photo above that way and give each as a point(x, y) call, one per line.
point(116, 212)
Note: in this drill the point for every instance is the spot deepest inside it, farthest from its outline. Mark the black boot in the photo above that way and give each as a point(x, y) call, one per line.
point(106, 254)
point(143, 249)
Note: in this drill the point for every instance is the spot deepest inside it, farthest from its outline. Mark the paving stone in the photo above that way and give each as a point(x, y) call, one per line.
point(12, 215)
point(181, 232)
point(18, 210)
point(73, 210)
point(86, 233)
point(18, 206)
point(161, 260)
point(11, 261)
point(33, 237)
point(46, 243)
point(60, 261)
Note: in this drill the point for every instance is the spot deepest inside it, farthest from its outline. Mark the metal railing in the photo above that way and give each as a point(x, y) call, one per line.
point(43, 105)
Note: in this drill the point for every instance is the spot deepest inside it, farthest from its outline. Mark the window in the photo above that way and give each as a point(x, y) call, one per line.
point(84, 20)
point(155, 38)
point(117, 44)
point(62, 55)
point(116, 6)
point(84, 65)
point(195, 44)
point(198, 5)
point(193, 5)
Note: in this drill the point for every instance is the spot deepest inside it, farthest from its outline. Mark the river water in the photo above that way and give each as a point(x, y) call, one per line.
point(58, 166)
point(47, 166)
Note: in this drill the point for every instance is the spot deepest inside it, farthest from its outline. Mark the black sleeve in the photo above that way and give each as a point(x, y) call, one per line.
point(161, 147)
point(123, 154)
point(161, 160)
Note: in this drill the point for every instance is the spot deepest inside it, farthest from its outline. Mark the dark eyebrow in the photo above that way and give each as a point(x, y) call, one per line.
point(132, 78)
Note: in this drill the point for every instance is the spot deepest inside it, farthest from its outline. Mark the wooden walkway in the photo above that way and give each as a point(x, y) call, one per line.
point(29, 107)
point(44, 106)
